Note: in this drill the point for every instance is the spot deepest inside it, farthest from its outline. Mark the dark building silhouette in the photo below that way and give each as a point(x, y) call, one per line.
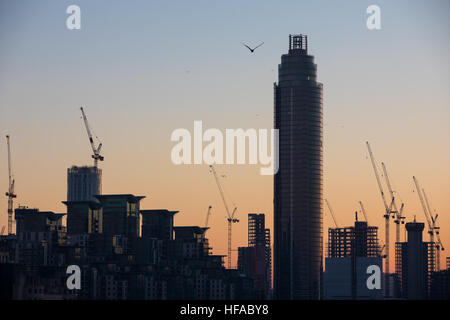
point(84, 217)
point(258, 235)
point(118, 258)
point(440, 285)
point(120, 214)
point(298, 182)
point(359, 240)
point(255, 260)
point(158, 223)
point(38, 235)
point(414, 263)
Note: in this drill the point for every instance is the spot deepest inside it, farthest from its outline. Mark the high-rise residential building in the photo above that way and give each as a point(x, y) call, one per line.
point(258, 235)
point(39, 233)
point(256, 260)
point(84, 217)
point(83, 183)
point(158, 224)
point(414, 263)
point(121, 214)
point(298, 182)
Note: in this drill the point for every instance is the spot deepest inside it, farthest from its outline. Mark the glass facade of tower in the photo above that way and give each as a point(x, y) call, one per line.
point(298, 182)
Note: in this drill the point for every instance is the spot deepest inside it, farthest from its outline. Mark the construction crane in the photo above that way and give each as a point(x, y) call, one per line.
point(364, 212)
point(96, 150)
point(386, 215)
point(10, 194)
point(425, 211)
point(398, 214)
point(436, 228)
point(207, 216)
point(381, 250)
point(230, 216)
point(332, 213)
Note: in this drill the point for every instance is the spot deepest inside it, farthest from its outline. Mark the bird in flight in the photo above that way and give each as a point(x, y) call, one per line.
point(251, 50)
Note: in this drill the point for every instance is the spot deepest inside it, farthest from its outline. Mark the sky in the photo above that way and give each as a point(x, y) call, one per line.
point(142, 69)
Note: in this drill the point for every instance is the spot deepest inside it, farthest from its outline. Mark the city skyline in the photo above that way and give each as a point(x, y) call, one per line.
point(126, 86)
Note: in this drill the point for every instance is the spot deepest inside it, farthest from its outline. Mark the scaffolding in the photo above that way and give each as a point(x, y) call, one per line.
point(360, 241)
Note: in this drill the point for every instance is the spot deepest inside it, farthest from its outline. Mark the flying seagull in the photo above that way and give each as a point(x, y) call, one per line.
point(251, 50)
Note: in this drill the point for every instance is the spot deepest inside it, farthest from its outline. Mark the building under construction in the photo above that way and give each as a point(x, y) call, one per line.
point(414, 264)
point(255, 260)
point(351, 251)
point(83, 183)
point(360, 240)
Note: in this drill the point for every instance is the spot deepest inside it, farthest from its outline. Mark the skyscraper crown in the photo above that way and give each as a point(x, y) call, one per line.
point(298, 43)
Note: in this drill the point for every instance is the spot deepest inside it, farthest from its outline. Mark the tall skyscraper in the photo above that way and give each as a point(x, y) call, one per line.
point(298, 182)
point(83, 183)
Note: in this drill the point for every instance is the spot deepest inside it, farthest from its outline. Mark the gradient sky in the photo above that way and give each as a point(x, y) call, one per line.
point(144, 68)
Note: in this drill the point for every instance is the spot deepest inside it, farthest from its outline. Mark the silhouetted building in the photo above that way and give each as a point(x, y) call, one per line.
point(84, 217)
point(195, 244)
point(120, 214)
point(83, 183)
point(360, 240)
point(157, 224)
point(351, 250)
point(298, 182)
point(440, 285)
point(258, 235)
point(414, 263)
point(39, 233)
point(255, 260)
point(116, 262)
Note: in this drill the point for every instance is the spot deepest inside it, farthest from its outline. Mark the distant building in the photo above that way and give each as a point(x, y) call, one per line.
point(84, 217)
point(255, 260)
point(195, 244)
point(158, 224)
point(440, 285)
point(414, 263)
point(83, 183)
point(119, 258)
point(39, 233)
point(351, 251)
point(121, 214)
point(360, 240)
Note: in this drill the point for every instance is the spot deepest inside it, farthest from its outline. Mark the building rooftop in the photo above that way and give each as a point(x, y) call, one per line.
point(130, 197)
point(159, 211)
